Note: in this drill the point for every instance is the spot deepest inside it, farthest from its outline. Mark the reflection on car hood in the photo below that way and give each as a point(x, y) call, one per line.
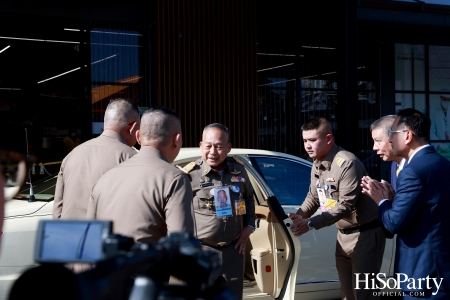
point(15, 208)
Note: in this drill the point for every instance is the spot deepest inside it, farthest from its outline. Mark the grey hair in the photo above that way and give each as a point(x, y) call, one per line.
point(159, 124)
point(120, 112)
point(218, 126)
point(384, 123)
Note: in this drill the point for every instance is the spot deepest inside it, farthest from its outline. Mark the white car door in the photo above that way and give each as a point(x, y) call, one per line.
point(275, 250)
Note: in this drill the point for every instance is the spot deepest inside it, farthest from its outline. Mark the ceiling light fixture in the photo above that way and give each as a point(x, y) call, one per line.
point(37, 40)
point(59, 75)
point(5, 48)
point(76, 69)
point(104, 59)
point(274, 54)
point(308, 76)
point(275, 67)
point(120, 45)
point(318, 47)
point(70, 29)
point(277, 82)
point(111, 32)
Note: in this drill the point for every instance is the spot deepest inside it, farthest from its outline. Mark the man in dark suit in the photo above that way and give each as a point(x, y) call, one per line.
point(380, 130)
point(418, 213)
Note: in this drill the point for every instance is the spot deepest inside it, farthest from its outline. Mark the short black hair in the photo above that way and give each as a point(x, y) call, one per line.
point(317, 122)
point(417, 122)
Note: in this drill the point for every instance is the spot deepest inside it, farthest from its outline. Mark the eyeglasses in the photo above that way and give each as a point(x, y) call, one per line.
point(390, 132)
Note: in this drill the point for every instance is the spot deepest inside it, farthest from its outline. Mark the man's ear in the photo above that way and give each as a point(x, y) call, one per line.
point(329, 138)
point(177, 140)
point(132, 127)
point(229, 148)
point(138, 136)
point(409, 137)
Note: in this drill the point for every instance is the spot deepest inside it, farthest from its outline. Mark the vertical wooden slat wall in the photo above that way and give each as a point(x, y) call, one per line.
point(206, 66)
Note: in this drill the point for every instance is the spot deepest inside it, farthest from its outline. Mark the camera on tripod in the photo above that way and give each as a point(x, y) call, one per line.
point(118, 268)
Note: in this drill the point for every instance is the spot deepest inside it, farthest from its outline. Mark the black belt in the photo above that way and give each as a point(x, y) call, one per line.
point(218, 245)
point(371, 225)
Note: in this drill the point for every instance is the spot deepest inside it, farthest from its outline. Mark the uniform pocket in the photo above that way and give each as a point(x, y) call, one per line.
point(204, 202)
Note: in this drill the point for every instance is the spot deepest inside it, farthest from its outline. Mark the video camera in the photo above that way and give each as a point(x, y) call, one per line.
point(118, 268)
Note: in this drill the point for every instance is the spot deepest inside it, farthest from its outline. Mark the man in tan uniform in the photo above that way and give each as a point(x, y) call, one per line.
point(83, 166)
point(336, 189)
point(224, 230)
point(146, 197)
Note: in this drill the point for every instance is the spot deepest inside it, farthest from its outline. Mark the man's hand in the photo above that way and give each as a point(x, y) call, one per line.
point(376, 190)
point(299, 226)
point(242, 239)
point(390, 189)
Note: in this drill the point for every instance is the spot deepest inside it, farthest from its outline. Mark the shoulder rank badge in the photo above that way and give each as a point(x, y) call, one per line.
point(238, 160)
point(235, 172)
point(187, 168)
point(339, 161)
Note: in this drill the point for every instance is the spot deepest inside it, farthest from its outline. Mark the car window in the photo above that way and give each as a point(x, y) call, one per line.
point(288, 179)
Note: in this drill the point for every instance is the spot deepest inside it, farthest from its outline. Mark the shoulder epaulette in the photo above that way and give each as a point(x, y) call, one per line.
point(339, 161)
point(238, 160)
point(187, 168)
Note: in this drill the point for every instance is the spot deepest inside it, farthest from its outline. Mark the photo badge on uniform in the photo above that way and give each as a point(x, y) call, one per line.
point(322, 198)
point(326, 202)
point(240, 206)
point(222, 201)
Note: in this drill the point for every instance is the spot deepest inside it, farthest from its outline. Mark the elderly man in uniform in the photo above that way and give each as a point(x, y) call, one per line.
point(146, 197)
point(336, 189)
point(84, 165)
point(225, 233)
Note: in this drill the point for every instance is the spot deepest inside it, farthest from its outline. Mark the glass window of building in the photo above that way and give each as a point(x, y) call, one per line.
point(425, 89)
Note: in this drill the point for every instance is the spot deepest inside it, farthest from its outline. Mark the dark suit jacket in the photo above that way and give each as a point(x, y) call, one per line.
point(419, 215)
point(394, 175)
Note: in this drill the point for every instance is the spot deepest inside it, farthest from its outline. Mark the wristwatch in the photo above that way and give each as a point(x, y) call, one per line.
point(310, 225)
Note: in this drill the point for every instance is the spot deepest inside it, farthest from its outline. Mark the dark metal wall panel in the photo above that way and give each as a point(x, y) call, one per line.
point(206, 66)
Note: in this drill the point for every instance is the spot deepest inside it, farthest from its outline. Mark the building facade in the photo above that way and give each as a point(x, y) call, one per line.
point(260, 67)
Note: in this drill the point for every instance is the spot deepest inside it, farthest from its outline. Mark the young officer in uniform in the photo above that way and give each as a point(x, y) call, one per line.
point(336, 189)
point(225, 230)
